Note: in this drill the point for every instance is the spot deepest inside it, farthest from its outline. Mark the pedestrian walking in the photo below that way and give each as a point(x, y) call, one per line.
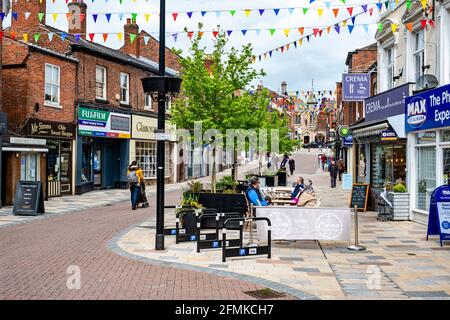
point(323, 160)
point(135, 177)
point(341, 167)
point(284, 161)
point(333, 170)
point(291, 165)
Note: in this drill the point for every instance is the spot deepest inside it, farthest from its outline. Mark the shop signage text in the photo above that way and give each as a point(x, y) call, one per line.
point(388, 135)
point(100, 123)
point(387, 104)
point(49, 129)
point(355, 86)
point(145, 128)
point(428, 110)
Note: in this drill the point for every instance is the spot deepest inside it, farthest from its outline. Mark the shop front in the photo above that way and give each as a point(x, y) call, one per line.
point(143, 148)
point(23, 159)
point(103, 149)
point(59, 137)
point(380, 149)
point(427, 124)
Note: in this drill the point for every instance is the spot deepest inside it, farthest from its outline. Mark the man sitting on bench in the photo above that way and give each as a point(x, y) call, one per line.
point(254, 195)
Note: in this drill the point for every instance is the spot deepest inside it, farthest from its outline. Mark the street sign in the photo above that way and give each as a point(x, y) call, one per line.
point(163, 136)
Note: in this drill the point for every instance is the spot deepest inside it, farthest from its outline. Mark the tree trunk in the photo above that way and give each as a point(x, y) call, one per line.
point(213, 172)
point(235, 170)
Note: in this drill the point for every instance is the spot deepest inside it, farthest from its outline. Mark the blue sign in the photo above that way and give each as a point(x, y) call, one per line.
point(388, 135)
point(428, 110)
point(215, 244)
point(439, 217)
point(193, 238)
point(387, 104)
point(355, 86)
point(242, 252)
point(348, 141)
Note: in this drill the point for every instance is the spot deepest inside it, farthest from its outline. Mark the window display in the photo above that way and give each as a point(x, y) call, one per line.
point(388, 166)
point(426, 176)
point(146, 158)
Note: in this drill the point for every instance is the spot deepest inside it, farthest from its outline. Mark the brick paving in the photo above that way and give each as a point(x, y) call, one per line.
point(35, 257)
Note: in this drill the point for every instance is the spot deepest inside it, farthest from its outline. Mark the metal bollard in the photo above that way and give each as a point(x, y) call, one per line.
point(356, 246)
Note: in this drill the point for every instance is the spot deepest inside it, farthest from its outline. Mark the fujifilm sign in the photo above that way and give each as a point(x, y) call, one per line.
point(428, 110)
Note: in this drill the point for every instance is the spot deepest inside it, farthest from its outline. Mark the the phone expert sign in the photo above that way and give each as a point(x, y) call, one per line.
point(355, 86)
point(428, 110)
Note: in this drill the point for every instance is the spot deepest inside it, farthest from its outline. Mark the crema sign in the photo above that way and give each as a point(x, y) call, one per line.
point(386, 104)
point(428, 110)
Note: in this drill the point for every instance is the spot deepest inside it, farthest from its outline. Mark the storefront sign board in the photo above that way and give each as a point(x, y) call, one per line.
point(29, 199)
point(100, 123)
point(428, 110)
point(348, 141)
point(295, 223)
point(355, 86)
point(388, 135)
point(359, 196)
point(144, 128)
point(439, 215)
point(48, 129)
point(387, 104)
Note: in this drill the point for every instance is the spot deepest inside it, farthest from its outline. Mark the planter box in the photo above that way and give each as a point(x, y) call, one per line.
point(223, 202)
point(271, 181)
point(282, 178)
point(400, 202)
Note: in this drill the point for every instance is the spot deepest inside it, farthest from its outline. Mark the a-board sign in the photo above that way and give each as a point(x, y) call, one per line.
point(439, 217)
point(359, 196)
point(29, 199)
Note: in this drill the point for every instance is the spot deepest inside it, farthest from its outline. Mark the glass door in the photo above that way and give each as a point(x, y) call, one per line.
point(446, 164)
point(66, 167)
point(29, 167)
point(97, 167)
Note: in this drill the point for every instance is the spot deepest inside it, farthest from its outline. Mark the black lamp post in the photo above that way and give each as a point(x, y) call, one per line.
point(161, 88)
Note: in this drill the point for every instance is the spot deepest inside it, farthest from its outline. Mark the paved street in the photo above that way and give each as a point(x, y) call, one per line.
point(113, 247)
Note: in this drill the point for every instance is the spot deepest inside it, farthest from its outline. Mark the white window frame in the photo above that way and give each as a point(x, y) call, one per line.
point(146, 156)
point(97, 68)
point(50, 103)
point(148, 101)
point(390, 66)
point(418, 53)
point(127, 88)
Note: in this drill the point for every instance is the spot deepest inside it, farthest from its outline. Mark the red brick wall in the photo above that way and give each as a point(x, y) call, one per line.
point(26, 25)
point(151, 51)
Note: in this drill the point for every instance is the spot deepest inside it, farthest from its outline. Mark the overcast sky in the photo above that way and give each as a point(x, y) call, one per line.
point(322, 59)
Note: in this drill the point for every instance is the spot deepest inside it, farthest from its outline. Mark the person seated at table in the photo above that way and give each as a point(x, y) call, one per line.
point(299, 186)
point(309, 187)
point(254, 195)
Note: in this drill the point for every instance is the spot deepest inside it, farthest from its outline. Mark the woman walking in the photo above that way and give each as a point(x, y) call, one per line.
point(291, 165)
point(135, 177)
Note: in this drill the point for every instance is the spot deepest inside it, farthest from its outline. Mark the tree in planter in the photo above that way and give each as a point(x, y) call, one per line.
point(213, 87)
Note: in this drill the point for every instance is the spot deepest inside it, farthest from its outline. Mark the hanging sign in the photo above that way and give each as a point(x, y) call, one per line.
point(348, 141)
point(439, 215)
point(100, 123)
point(355, 86)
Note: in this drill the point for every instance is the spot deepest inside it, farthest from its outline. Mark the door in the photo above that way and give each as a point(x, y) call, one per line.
point(66, 167)
point(97, 167)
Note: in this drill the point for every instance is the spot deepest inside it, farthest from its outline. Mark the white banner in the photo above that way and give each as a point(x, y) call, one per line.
point(294, 223)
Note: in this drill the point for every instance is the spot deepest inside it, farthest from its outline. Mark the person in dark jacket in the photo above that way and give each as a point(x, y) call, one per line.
point(299, 186)
point(333, 170)
point(254, 195)
point(291, 165)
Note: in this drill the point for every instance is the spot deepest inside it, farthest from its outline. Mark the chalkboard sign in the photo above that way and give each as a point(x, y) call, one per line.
point(29, 199)
point(359, 196)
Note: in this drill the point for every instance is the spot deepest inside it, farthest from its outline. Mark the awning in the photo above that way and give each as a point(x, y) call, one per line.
point(24, 149)
point(374, 130)
point(398, 124)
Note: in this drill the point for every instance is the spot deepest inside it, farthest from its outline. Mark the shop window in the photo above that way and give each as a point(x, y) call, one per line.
point(29, 167)
point(146, 157)
point(426, 176)
point(52, 84)
point(86, 161)
point(100, 82)
point(446, 163)
point(426, 137)
point(53, 161)
point(388, 166)
point(361, 165)
point(148, 101)
point(445, 135)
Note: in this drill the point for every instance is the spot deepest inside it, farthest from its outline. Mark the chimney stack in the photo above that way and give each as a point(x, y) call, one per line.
point(32, 8)
point(131, 28)
point(77, 20)
point(284, 87)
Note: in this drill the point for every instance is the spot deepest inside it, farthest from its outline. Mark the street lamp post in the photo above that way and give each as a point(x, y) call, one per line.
point(161, 87)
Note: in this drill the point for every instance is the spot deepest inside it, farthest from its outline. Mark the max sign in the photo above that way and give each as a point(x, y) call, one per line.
point(428, 110)
point(355, 86)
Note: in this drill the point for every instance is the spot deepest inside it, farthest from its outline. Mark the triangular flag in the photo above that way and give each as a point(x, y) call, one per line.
point(132, 37)
point(91, 36)
point(120, 36)
point(200, 34)
point(25, 37)
point(133, 17)
point(175, 36)
point(379, 6)
point(424, 4)
point(2, 16)
point(36, 37)
point(203, 13)
point(189, 14)
point(12, 34)
point(301, 30)
point(105, 37)
point(121, 16)
point(350, 28)
point(247, 12)
point(431, 23)
point(229, 32)
point(315, 31)
point(295, 45)
point(50, 36)
point(408, 4)
point(175, 15)
point(327, 4)
point(41, 16)
point(337, 28)
point(409, 26)
point(146, 39)
point(350, 10)
point(147, 16)
point(291, 10)
point(380, 27)
point(272, 31)
point(218, 13)
point(371, 11)
point(77, 37)
point(108, 16)
point(232, 12)
point(190, 34)
point(320, 11)
point(63, 36)
point(286, 32)
point(366, 27)
point(328, 29)
point(258, 32)
point(394, 27)
point(215, 34)
point(244, 31)
point(27, 15)
point(424, 23)
point(261, 12)
point(364, 7)
point(15, 16)
point(336, 12)
point(305, 10)
point(276, 11)
point(95, 16)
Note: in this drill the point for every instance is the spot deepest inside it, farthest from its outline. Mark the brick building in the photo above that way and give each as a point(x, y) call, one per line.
point(94, 90)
